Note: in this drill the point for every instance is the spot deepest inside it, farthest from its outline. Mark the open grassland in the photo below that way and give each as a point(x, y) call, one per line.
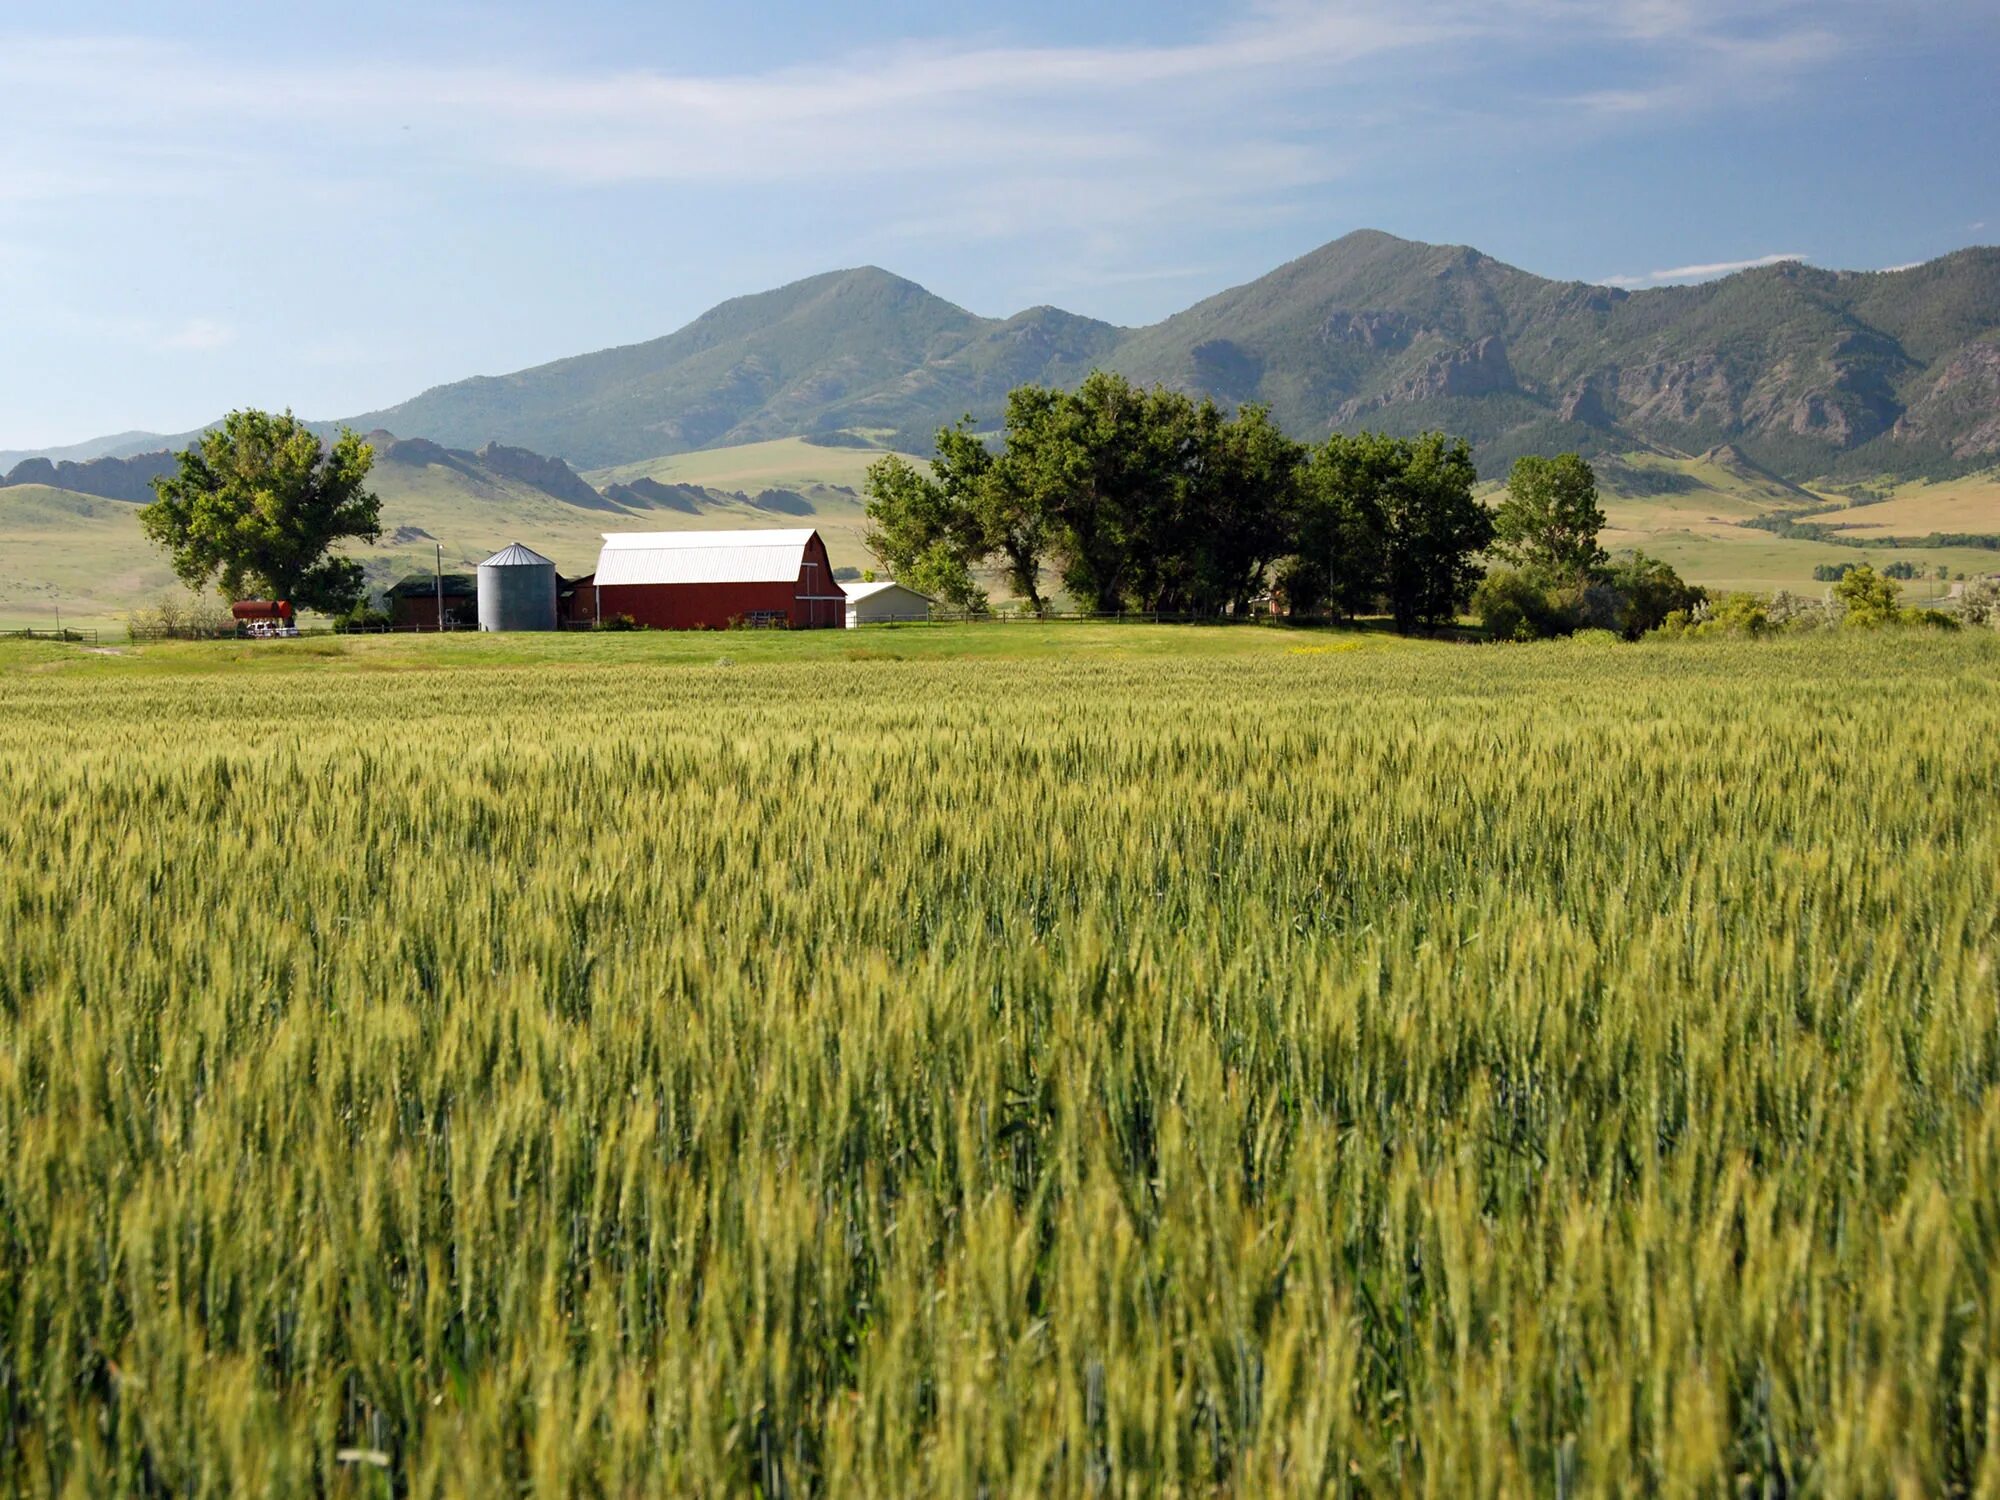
point(781, 463)
point(1060, 1060)
point(1700, 529)
point(75, 554)
point(1741, 559)
point(1971, 504)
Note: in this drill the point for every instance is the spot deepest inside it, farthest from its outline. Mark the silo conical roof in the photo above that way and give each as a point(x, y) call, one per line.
point(515, 555)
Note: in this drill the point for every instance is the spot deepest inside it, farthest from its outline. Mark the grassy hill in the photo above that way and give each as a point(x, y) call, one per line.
point(80, 555)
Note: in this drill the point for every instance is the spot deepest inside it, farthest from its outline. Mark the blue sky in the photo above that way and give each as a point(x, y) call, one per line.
point(334, 206)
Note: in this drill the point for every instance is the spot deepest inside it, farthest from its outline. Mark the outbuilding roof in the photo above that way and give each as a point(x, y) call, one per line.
point(764, 556)
point(425, 584)
point(870, 590)
point(516, 556)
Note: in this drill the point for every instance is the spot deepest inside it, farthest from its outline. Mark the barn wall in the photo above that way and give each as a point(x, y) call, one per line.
point(694, 606)
point(419, 611)
point(812, 601)
point(818, 602)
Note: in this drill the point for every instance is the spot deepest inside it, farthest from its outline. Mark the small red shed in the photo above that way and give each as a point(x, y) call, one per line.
point(711, 580)
point(278, 611)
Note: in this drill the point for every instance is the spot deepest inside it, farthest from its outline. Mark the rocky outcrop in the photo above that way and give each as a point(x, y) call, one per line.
point(108, 478)
point(415, 452)
point(549, 475)
point(783, 502)
point(1584, 402)
point(1372, 330)
point(1962, 404)
point(1480, 369)
point(650, 494)
point(1679, 393)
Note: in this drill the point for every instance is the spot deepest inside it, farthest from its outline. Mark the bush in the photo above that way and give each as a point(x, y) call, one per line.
point(1731, 614)
point(1630, 598)
point(1648, 591)
point(617, 622)
point(1980, 603)
point(1867, 599)
point(1788, 611)
point(182, 615)
point(363, 617)
point(1515, 607)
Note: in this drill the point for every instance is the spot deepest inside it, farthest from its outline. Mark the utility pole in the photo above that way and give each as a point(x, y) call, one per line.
point(440, 587)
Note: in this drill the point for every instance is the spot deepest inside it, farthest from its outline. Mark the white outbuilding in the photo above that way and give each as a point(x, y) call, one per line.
point(883, 602)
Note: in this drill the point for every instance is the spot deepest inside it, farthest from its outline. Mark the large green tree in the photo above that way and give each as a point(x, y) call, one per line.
point(1093, 464)
point(256, 506)
point(1433, 530)
point(1336, 524)
point(1549, 522)
point(926, 527)
point(1225, 506)
point(1387, 522)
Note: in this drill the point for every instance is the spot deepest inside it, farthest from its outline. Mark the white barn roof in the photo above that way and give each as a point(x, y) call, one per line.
point(773, 556)
point(856, 591)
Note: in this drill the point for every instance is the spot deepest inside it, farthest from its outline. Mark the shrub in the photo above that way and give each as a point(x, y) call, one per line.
point(184, 615)
point(1867, 599)
point(363, 617)
point(1731, 614)
point(1646, 591)
point(1788, 611)
point(1512, 606)
point(1980, 603)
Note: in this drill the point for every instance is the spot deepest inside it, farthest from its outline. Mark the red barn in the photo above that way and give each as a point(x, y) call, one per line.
point(710, 580)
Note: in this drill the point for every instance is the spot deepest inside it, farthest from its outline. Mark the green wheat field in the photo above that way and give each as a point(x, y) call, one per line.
point(1001, 1061)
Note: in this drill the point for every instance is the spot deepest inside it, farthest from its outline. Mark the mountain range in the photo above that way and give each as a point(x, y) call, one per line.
point(1810, 374)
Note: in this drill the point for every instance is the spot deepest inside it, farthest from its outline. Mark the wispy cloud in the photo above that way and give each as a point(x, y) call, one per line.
point(1706, 272)
point(148, 114)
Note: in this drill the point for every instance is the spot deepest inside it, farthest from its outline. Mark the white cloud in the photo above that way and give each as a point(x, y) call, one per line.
point(139, 114)
point(1707, 272)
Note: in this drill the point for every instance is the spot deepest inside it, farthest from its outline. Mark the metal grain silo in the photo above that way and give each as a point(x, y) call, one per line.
point(517, 591)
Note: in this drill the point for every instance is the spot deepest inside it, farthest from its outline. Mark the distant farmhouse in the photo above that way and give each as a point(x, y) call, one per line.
point(711, 580)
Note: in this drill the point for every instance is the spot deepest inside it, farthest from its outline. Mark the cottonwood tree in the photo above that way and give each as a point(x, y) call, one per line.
point(255, 507)
point(1549, 523)
point(1091, 462)
point(926, 528)
point(1433, 530)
